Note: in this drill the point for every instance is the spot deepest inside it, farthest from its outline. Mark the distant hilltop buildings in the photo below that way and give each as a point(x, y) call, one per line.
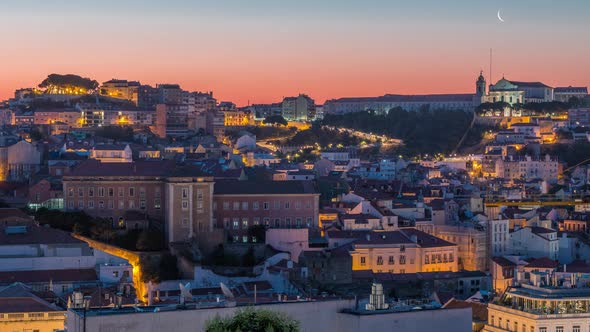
point(511, 92)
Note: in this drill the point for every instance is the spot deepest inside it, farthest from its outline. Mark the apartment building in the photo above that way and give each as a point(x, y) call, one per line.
point(239, 205)
point(406, 250)
point(178, 196)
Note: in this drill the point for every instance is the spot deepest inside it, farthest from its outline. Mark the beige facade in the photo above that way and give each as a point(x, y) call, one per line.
point(189, 207)
point(472, 246)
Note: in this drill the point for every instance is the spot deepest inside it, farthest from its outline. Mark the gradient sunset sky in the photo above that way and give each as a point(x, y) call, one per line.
point(262, 50)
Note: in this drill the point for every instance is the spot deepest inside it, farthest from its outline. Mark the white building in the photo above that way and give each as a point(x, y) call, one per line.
point(546, 301)
point(528, 168)
point(111, 153)
point(499, 237)
point(534, 242)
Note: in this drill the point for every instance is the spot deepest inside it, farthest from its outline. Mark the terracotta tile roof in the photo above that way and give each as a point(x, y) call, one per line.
point(543, 262)
point(230, 187)
point(502, 261)
point(37, 235)
point(19, 298)
point(70, 275)
point(138, 168)
point(479, 311)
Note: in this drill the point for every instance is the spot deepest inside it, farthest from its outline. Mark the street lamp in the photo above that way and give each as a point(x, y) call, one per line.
point(86, 306)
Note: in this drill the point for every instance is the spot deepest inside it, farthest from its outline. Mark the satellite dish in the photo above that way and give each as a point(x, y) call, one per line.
point(230, 300)
point(185, 292)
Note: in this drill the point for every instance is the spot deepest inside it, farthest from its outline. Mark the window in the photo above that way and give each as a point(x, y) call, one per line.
point(81, 205)
point(245, 223)
point(226, 223)
point(576, 328)
point(81, 192)
point(255, 221)
point(451, 258)
point(277, 205)
point(363, 261)
point(116, 274)
point(226, 205)
point(157, 192)
point(308, 222)
point(402, 259)
point(541, 329)
point(379, 260)
point(185, 205)
point(71, 192)
point(111, 192)
point(236, 238)
point(184, 192)
point(121, 191)
point(298, 222)
point(121, 205)
point(236, 223)
point(100, 192)
point(142, 192)
point(185, 222)
point(266, 222)
point(91, 204)
point(142, 203)
point(402, 271)
point(559, 329)
point(157, 203)
point(199, 194)
point(426, 259)
point(236, 206)
point(288, 222)
point(402, 248)
point(277, 222)
point(287, 205)
point(111, 205)
point(131, 205)
point(298, 205)
point(131, 192)
point(244, 239)
point(90, 192)
point(308, 204)
point(265, 205)
point(255, 205)
point(245, 206)
point(101, 204)
point(199, 204)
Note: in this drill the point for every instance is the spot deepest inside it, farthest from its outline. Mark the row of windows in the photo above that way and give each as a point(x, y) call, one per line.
point(244, 239)
point(245, 206)
point(111, 204)
point(390, 261)
point(515, 326)
point(110, 192)
point(244, 223)
point(439, 258)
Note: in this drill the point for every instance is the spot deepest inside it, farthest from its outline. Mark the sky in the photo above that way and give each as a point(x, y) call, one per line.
point(258, 51)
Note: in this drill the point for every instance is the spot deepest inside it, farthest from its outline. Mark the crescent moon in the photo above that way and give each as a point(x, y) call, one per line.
point(499, 16)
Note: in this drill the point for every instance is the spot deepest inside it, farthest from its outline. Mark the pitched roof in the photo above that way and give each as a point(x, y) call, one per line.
point(529, 84)
point(570, 89)
point(37, 235)
point(47, 275)
point(479, 311)
point(19, 298)
point(502, 261)
point(231, 187)
point(542, 230)
point(543, 262)
point(93, 167)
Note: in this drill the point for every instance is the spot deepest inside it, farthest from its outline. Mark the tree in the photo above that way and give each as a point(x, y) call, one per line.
point(249, 258)
point(149, 240)
point(69, 81)
point(275, 119)
point(253, 320)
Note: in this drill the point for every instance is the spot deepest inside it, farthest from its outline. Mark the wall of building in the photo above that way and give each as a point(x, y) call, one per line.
point(313, 316)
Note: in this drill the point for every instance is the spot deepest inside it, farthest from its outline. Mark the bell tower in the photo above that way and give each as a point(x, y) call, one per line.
point(480, 85)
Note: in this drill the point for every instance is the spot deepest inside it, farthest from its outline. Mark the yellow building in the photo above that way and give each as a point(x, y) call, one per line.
point(237, 118)
point(406, 250)
point(23, 311)
point(472, 246)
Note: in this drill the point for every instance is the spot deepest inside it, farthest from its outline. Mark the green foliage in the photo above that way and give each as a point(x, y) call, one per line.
point(323, 137)
point(275, 119)
point(150, 240)
point(422, 132)
point(259, 231)
point(253, 320)
point(37, 134)
point(116, 133)
point(156, 269)
point(69, 81)
point(67, 221)
point(571, 154)
point(249, 258)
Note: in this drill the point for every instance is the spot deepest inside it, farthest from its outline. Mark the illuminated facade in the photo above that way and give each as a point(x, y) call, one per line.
point(404, 251)
point(238, 118)
point(121, 89)
point(472, 246)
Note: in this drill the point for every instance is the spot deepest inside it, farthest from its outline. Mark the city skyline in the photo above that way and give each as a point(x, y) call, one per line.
point(261, 52)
